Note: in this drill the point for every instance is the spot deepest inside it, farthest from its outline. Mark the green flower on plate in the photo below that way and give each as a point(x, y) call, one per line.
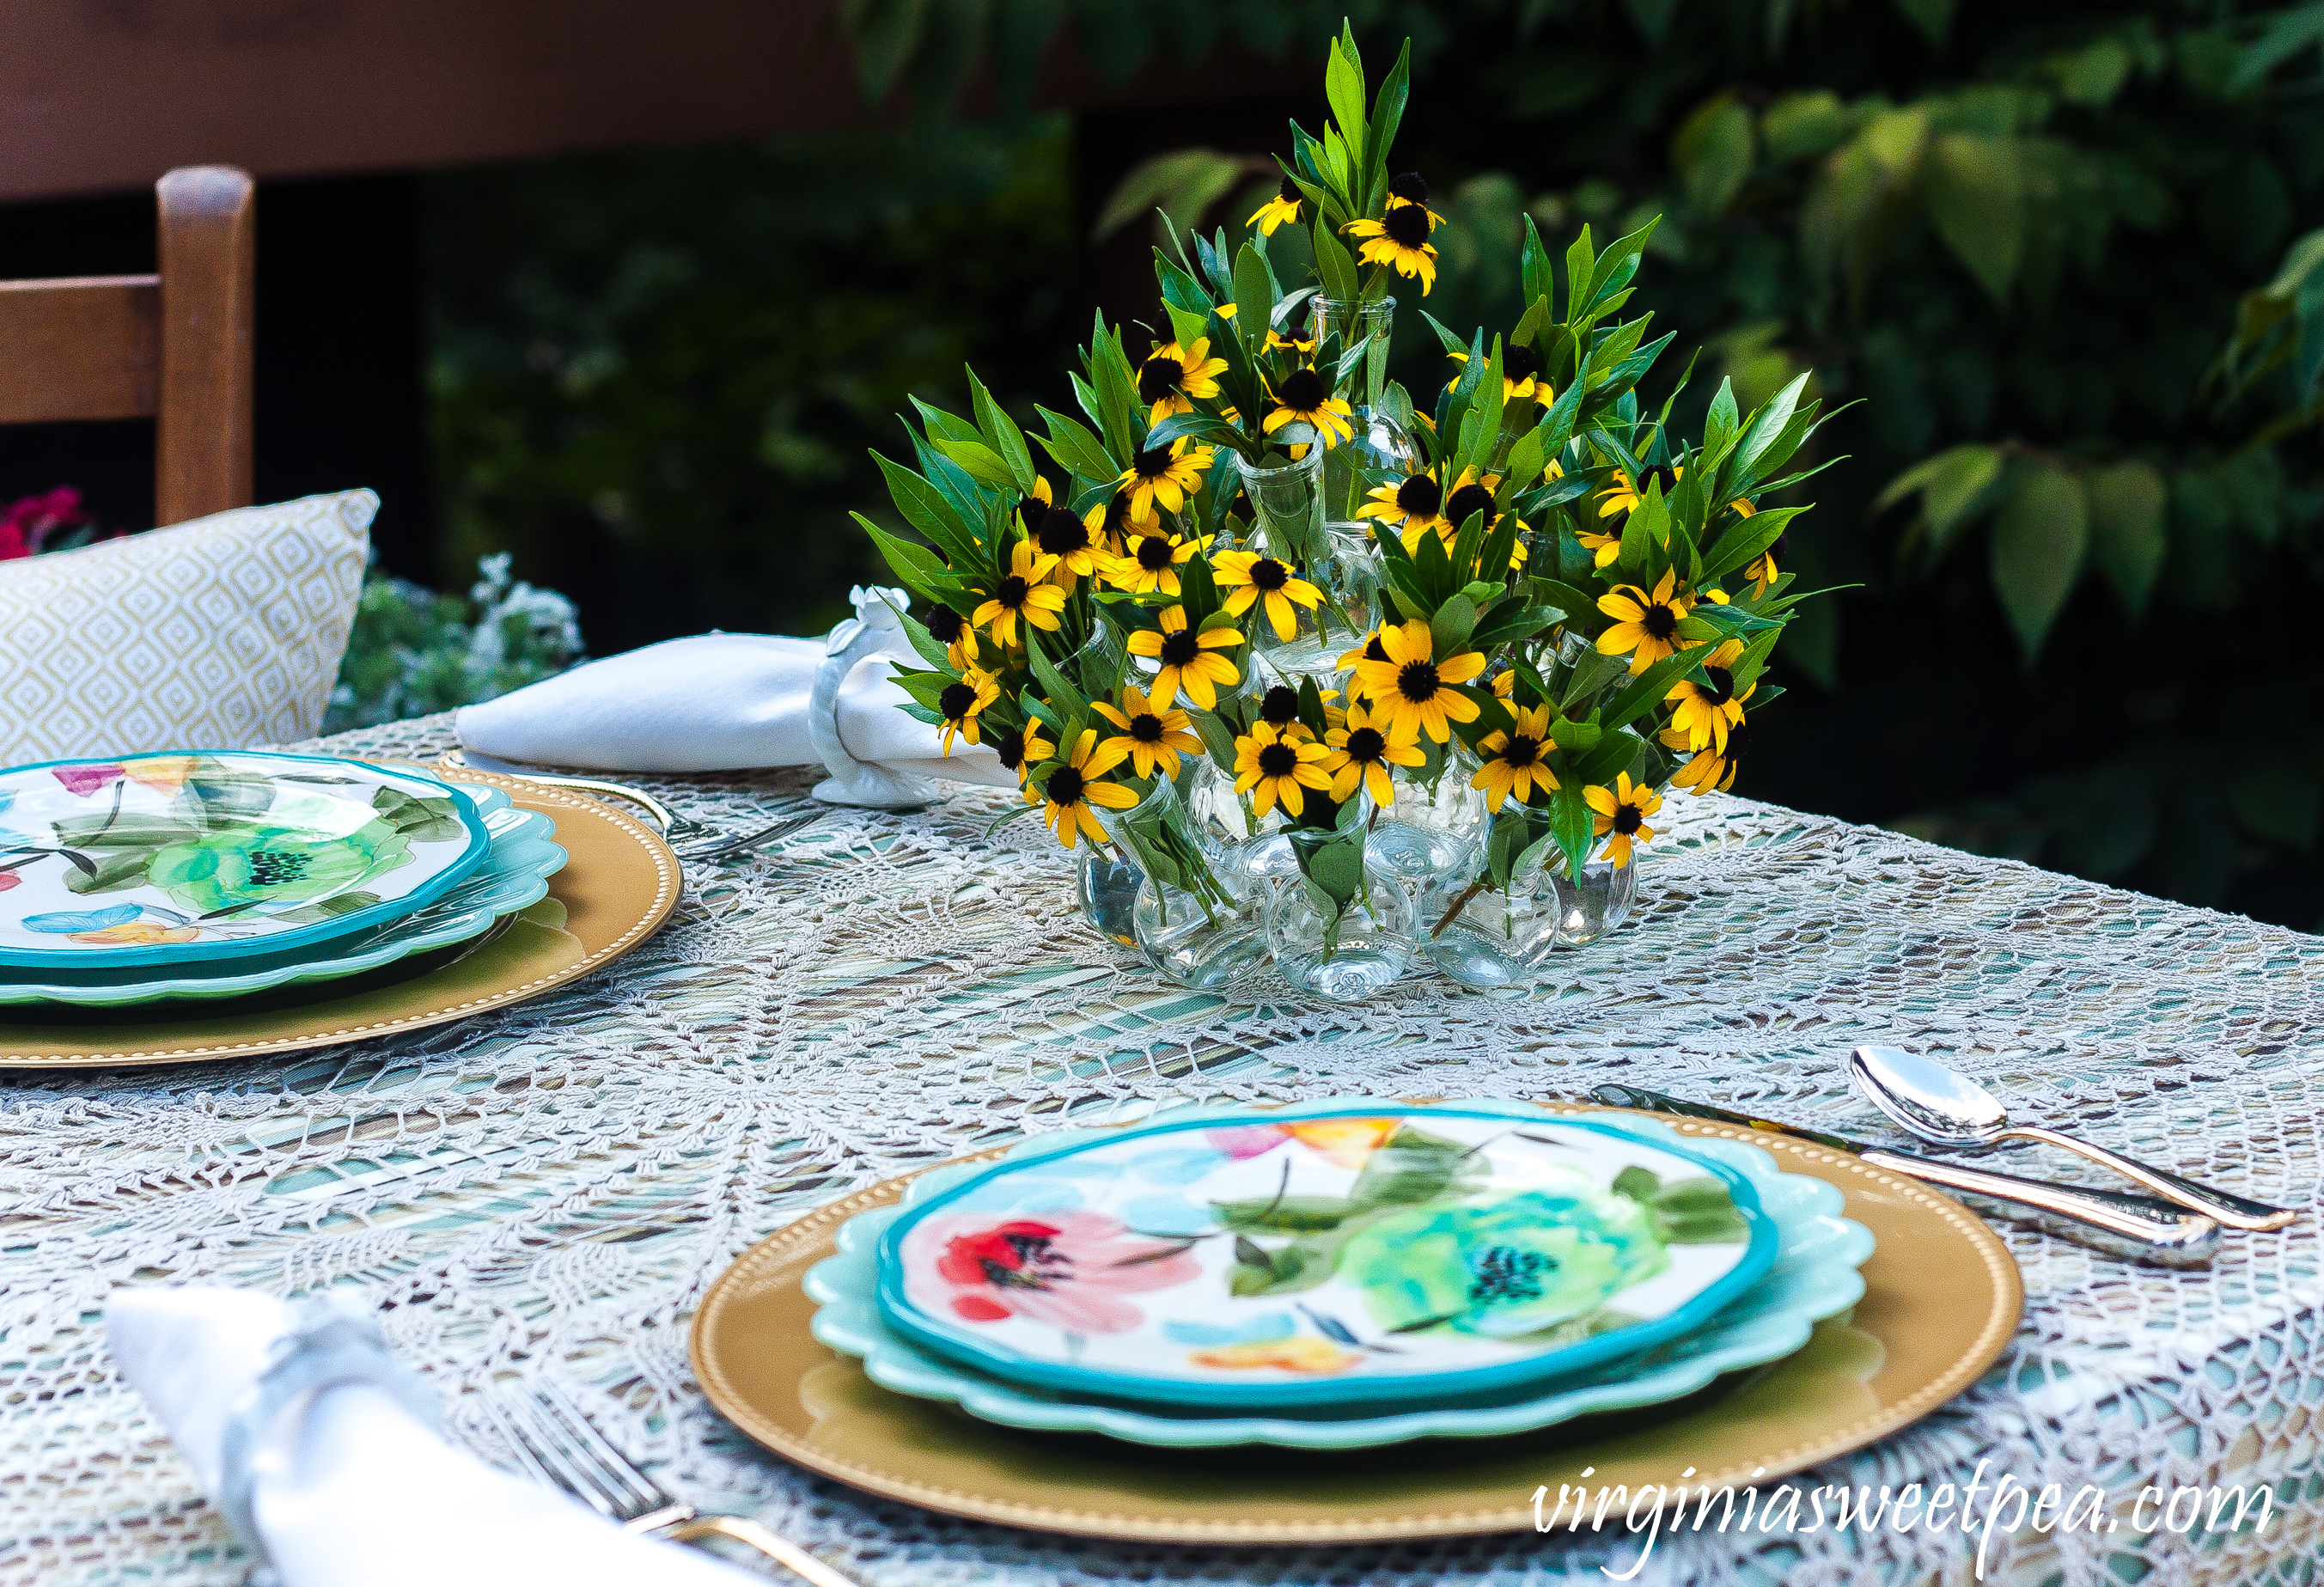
point(1540, 1260)
point(246, 868)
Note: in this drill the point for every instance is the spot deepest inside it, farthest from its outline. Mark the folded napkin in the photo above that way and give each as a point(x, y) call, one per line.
point(348, 1485)
point(720, 702)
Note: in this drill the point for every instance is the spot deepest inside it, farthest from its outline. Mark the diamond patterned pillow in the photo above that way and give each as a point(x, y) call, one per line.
point(216, 635)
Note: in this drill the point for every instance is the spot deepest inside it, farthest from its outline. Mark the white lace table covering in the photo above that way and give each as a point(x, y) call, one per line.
point(552, 1187)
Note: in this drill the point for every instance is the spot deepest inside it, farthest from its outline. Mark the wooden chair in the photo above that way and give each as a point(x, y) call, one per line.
point(176, 345)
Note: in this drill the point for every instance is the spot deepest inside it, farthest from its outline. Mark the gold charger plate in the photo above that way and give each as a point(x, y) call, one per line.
point(1942, 1299)
point(618, 883)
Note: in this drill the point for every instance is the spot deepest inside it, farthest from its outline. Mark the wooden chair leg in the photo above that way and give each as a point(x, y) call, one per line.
point(208, 252)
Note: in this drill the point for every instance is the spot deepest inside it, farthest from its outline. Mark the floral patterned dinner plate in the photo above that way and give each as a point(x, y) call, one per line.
point(1333, 1255)
point(198, 856)
point(515, 876)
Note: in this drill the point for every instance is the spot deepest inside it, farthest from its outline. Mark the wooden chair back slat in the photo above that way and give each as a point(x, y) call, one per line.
point(90, 347)
point(176, 345)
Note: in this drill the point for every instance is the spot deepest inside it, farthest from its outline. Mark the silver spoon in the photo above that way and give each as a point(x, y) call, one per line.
point(1944, 1105)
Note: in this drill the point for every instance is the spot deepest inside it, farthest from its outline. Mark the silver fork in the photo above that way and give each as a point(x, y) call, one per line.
point(689, 839)
point(559, 1448)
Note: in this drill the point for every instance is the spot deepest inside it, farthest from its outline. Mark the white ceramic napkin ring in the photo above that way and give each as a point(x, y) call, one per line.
point(332, 1340)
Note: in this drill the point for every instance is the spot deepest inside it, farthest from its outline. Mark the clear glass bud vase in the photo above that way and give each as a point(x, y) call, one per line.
point(1337, 324)
point(1195, 918)
point(1108, 886)
point(1286, 505)
point(1484, 936)
point(1341, 928)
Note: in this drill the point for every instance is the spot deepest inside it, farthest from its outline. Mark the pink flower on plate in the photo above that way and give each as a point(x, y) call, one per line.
point(8, 879)
point(85, 780)
point(1066, 1270)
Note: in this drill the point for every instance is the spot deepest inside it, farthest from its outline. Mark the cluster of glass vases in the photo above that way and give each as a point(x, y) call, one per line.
point(1395, 891)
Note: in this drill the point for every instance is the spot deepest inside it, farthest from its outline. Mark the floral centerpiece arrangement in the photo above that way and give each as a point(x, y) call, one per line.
point(1349, 678)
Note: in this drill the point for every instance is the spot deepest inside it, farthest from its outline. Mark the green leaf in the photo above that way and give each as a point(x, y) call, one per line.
point(2038, 544)
point(1185, 183)
point(1291, 1214)
point(929, 511)
point(1712, 151)
point(1075, 448)
point(2128, 538)
point(1335, 265)
point(1411, 1167)
point(1254, 298)
point(914, 566)
point(982, 464)
point(1954, 486)
point(1975, 191)
point(1573, 823)
point(1000, 432)
point(1581, 259)
point(1450, 628)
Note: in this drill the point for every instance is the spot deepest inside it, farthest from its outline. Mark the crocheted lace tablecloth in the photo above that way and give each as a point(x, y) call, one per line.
point(551, 1187)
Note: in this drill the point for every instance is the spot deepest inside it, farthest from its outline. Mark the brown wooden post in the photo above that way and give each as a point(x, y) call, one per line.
point(209, 256)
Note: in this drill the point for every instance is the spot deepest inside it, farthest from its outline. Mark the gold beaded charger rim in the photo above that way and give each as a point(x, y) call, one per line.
point(1942, 1297)
point(618, 883)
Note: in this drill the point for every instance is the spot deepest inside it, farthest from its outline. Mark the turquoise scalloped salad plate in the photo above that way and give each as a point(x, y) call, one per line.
point(520, 860)
point(1813, 1277)
point(1337, 1254)
point(198, 856)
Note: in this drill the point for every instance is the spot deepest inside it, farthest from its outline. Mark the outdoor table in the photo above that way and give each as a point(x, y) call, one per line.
point(560, 1181)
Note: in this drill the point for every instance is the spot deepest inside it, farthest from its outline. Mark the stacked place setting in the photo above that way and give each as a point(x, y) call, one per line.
point(1338, 1274)
point(148, 884)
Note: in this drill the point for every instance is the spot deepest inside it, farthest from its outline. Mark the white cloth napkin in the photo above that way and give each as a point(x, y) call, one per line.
point(349, 1490)
point(721, 702)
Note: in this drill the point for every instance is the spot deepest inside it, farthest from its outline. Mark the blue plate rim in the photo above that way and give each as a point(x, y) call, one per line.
point(896, 1312)
point(428, 892)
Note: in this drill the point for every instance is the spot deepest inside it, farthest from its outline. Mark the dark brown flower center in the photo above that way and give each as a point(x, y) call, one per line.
point(1626, 819)
point(944, 624)
point(1366, 744)
point(1180, 647)
point(1146, 728)
point(1153, 552)
point(1062, 533)
point(1520, 364)
point(1468, 499)
point(1301, 390)
point(1739, 741)
point(1374, 651)
point(1116, 513)
point(1721, 687)
point(1153, 463)
point(1280, 706)
point(1031, 511)
point(1268, 574)
point(1659, 621)
point(1279, 760)
point(1289, 191)
point(1407, 225)
point(1523, 751)
point(1159, 378)
point(1065, 786)
point(1410, 185)
point(1010, 748)
point(1011, 592)
point(1416, 681)
point(1420, 497)
point(956, 701)
point(1780, 549)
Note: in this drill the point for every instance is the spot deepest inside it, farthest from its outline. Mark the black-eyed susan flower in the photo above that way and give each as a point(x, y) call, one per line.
point(1030, 510)
point(1280, 706)
point(1521, 376)
point(1023, 594)
point(1302, 397)
point(1361, 750)
point(1112, 523)
point(961, 702)
point(1370, 650)
point(1169, 380)
point(1415, 501)
point(1645, 627)
point(1149, 561)
point(1151, 735)
point(1277, 767)
point(1298, 339)
point(1504, 686)
point(1412, 689)
point(1620, 814)
point(1280, 210)
point(949, 629)
point(1191, 664)
point(1711, 768)
point(1470, 495)
point(1069, 541)
point(1605, 548)
point(1706, 712)
point(1410, 188)
point(1400, 238)
point(1021, 749)
point(1514, 761)
point(1621, 496)
point(1074, 787)
point(1272, 586)
point(1163, 477)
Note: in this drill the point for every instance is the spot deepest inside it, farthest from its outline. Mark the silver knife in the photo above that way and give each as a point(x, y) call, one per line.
point(2140, 1227)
